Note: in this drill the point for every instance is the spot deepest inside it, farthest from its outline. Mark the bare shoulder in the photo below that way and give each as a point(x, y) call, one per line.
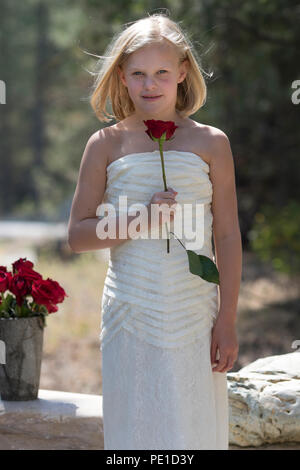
point(222, 175)
point(91, 181)
point(219, 156)
point(97, 148)
point(212, 142)
point(209, 142)
point(217, 142)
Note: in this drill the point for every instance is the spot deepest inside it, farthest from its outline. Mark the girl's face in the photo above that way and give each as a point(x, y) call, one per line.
point(153, 71)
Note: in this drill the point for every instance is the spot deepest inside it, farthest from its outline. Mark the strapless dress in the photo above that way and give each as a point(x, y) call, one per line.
point(159, 390)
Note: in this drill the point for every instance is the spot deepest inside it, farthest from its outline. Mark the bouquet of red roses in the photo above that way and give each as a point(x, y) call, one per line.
point(24, 293)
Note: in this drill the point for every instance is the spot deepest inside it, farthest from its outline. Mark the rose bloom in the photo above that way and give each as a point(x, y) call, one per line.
point(5, 278)
point(47, 292)
point(157, 128)
point(24, 268)
point(29, 274)
point(20, 287)
point(21, 262)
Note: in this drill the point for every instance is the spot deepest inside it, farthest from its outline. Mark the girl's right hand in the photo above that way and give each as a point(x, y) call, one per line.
point(163, 197)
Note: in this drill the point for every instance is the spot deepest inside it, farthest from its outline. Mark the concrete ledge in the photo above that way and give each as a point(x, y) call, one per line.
point(55, 421)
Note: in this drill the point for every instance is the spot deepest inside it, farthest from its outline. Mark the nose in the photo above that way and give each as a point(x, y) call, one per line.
point(149, 83)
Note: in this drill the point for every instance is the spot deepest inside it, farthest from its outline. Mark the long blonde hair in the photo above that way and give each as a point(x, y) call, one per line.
point(156, 28)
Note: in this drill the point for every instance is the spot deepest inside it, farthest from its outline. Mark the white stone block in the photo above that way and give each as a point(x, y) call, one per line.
point(264, 400)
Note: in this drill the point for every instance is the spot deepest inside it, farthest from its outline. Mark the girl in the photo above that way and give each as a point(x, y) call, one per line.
point(168, 337)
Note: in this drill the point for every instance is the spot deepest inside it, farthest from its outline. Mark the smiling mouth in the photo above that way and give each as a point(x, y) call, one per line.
point(151, 97)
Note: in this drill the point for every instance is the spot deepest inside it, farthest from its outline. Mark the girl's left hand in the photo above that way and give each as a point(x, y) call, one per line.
point(224, 339)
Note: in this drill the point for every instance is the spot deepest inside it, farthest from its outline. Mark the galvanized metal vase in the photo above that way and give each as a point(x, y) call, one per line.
point(21, 341)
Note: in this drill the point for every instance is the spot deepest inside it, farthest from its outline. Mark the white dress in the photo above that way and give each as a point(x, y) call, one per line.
point(159, 390)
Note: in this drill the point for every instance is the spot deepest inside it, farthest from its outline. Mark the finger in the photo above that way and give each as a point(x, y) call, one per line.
point(171, 194)
point(228, 365)
point(168, 202)
point(171, 189)
point(164, 203)
point(224, 367)
point(219, 367)
point(221, 364)
point(168, 195)
point(231, 362)
point(171, 200)
point(213, 352)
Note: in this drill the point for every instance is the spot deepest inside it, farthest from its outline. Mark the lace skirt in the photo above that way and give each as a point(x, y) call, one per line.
point(156, 398)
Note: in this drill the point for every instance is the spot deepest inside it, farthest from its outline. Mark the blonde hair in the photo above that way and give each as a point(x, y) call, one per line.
point(156, 28)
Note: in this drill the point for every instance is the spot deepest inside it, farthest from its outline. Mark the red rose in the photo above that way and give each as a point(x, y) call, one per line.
point(157, 128)
point(48, 293)
point(29, 274)
point(3, 268)
point(5, 279)
point(20, 287)
point(24, 268)
point(21, 262)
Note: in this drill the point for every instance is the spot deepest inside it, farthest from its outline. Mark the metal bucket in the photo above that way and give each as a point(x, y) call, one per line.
point(22, 349)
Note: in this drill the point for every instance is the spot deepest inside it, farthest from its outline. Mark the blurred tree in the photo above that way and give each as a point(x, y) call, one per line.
point(252, 48)
point(275, 238)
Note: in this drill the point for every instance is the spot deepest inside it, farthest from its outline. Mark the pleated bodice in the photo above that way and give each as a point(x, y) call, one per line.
point(148, 291)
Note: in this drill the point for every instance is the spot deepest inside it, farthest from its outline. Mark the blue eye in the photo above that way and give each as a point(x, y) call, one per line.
point(162, 70)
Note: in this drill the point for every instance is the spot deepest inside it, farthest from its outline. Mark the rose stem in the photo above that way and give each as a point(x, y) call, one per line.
point(165, 184)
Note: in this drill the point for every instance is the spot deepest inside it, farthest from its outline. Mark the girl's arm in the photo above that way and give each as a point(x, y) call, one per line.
point(228, 248)
point(226, 230)
point(90, 189)
point(88, 196)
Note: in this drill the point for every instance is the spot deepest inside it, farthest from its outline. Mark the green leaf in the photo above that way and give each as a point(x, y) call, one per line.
point(203, 266)
point(7, 302)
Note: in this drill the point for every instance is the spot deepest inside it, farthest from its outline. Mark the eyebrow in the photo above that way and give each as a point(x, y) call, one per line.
point(133, 67)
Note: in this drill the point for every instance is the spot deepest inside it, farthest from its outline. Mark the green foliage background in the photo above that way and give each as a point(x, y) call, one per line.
point(252, 48)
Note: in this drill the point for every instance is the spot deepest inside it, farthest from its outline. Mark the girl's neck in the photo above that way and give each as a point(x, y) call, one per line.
point(134, 123)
